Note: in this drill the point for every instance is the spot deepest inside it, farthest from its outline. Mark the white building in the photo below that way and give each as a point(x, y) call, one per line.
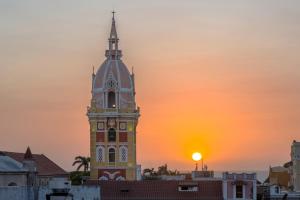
point(240, 186)
point(295, 157)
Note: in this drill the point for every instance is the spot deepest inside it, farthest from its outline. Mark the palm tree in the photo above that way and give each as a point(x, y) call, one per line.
point(82, 162)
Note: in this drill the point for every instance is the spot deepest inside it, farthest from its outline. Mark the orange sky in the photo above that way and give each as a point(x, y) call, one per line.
point(222, 79)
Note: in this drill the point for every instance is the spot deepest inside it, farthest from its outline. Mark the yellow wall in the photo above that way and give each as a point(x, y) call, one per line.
point(130, 166)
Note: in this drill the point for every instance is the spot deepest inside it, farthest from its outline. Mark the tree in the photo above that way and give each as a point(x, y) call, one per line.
point(163, 170)
point(82, 161)
point(78, 177)
point(173, 173)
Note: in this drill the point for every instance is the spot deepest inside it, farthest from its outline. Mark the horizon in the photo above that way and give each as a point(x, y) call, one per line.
point(218, 78)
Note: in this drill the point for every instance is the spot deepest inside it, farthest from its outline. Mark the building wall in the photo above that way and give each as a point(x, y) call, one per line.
point(295, 155)
point(43, 180)
point(78, 192)
point(16, 193)
point(130, 167)
point(247, 181)
point(19, 179)
point(27, 193)
point(279, 177)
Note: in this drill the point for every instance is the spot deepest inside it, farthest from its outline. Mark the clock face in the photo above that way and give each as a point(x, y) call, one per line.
point(123, 125)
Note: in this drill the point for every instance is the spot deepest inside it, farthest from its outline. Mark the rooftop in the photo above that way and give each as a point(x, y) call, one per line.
point(160, 190)
point(45, 166)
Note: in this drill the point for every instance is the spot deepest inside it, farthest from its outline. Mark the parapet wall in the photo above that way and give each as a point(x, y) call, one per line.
point(27, 193)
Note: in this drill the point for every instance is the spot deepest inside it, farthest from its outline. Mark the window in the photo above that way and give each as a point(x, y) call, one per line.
point(188, 188)
point(100, 154)
point(239, 191)
point(12, 184)
point(123, 154)
point(277, 190)
point(112, 135)
point(111, 155)
point(111, 100)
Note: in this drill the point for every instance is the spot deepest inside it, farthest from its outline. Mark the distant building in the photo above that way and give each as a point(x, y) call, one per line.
point(295, 159)
point(276, 192)
point(202, 174)
point(287, 177)
point(160, 190)
point(40, 167)
point(61, 189)
point(279, 176)
point(27, 176)
point(232, 186)
point(12, 172)
point(113, 117)
point(239, 186)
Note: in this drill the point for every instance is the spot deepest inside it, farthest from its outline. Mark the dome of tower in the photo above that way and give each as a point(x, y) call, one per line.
point(113, 85)
point(113, 70)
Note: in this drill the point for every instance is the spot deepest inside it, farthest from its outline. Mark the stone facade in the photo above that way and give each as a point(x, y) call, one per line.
point(295, 157)
point(7, 179)
point(40, 193)
point(27, 169)
point(75, 193)
point(16, 193)
point(279, 176)
point(14, 173)
point(113, 117)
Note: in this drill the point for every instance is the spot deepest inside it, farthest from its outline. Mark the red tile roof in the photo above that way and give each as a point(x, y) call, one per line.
point(158, 190)
point(45, 166)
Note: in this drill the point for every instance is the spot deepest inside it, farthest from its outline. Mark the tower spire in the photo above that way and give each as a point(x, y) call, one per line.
point(113, 51)
point(113, 31)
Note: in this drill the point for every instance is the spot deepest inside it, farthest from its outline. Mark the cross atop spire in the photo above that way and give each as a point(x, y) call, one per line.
point(113, 52)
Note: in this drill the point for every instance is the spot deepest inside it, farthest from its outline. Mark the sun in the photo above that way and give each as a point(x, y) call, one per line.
point(197, 156)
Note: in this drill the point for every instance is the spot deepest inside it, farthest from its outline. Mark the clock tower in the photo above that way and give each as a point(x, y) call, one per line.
point(113, 117)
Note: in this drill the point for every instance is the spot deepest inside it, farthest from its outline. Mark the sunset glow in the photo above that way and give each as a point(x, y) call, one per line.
point(217, 78)
point(197, 156)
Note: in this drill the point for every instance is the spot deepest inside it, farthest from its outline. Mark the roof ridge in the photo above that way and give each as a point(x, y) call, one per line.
point(53, 162)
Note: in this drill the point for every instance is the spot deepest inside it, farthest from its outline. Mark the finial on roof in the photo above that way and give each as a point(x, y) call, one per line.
point(113, 31)
point(93, 70)
point(28, 154)
point(113, 51)
point(113, 12)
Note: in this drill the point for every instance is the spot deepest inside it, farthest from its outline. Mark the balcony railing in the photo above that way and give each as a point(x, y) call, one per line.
point(113, 110)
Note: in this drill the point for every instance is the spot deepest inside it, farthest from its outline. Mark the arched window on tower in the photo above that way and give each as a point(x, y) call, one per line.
point(111, 99)
point(100, 154)
point(123, 154)
point(111, 155)
point(112, 135)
